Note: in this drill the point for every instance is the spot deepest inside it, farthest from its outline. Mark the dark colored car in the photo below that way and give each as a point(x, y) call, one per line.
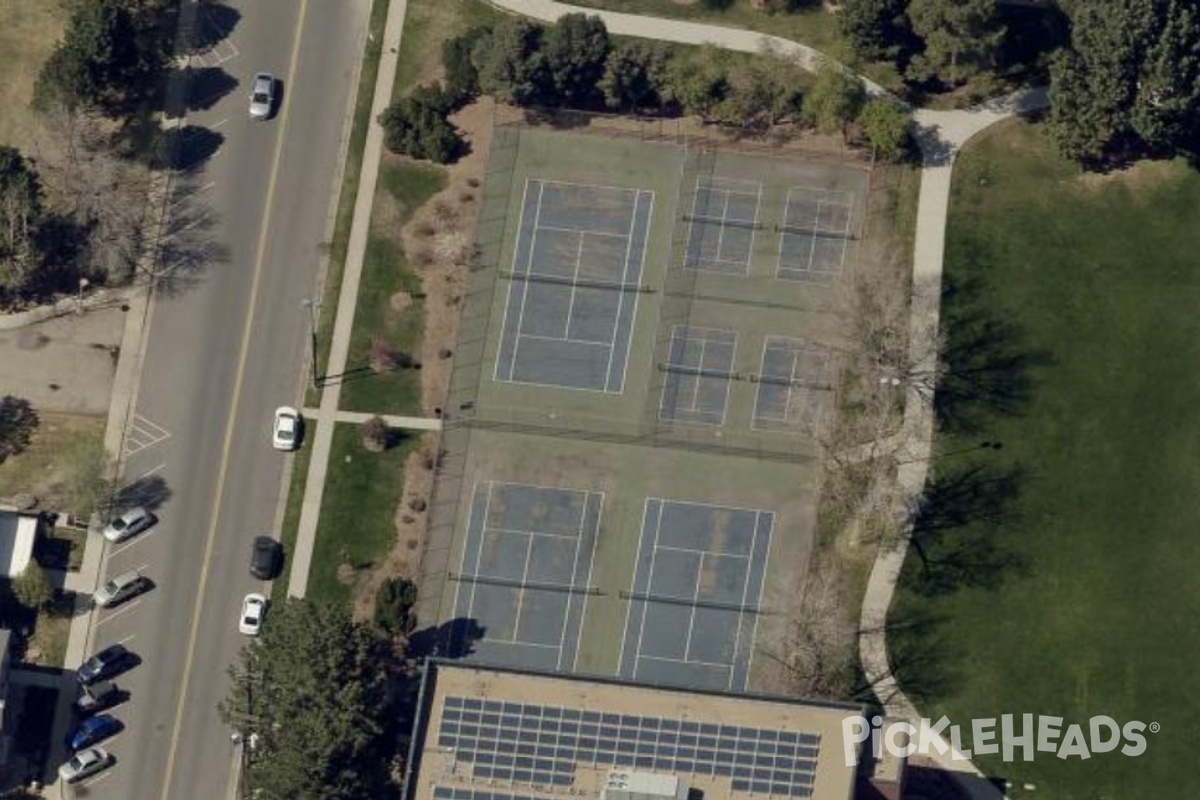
point(100, 696)
point(93, 730)
point(105, 664)
point(266, 559)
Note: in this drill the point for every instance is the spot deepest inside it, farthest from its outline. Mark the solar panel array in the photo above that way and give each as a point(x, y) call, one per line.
point(541, 746)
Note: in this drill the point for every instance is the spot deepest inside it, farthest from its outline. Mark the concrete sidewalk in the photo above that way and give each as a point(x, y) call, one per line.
point(327, 414)
point(359, 417)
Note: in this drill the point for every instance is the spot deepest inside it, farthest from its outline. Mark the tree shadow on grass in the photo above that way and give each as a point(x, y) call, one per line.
point(921, 660)
point(958, 529)
point(986, 364)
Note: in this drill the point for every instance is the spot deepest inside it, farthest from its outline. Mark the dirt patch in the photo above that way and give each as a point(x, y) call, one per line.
point(400, 301)
point(411, 522)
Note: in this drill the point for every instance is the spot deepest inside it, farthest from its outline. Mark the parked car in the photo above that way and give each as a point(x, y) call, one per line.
point(85, 764)
point(104, 664)
point(121, 588)
point(266, 559)
point(254, 607)
point(99, 696)
point(285, 434)
point(93, 730)
point(132, 522)
point(262, 96)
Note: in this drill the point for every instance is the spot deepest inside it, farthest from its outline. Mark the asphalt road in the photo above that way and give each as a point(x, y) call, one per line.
point(227, 344)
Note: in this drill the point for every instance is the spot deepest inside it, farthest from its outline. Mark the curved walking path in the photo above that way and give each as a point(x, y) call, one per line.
point(940, 134)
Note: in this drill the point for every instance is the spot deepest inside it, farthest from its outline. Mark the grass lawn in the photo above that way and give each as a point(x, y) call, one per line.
point(434, 21)
point(362, 492)
point(1079, 344)
point(27, 35)
point(403, 187)
point(40, 469)
point(291, 514)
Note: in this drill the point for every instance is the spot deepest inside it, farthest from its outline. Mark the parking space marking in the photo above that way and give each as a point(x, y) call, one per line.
point(141, 537)
point(142, 434)
point(132, 604)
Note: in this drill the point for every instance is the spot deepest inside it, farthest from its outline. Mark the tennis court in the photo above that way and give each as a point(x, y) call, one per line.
point(721, 225)
point(526, 563)
point(699, 366)
point(574, 285)
point(814, 234)
point(795, 385)
point(694, 605)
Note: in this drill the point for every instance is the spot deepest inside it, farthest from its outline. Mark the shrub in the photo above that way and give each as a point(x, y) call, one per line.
point(393, 606)
point(375, 435)
point(417, 125)
point(382, 358)
point(32, 587)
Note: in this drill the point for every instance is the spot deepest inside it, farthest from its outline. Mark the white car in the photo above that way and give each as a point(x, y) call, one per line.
point(85, 764)
point(285, 434)
point(132, 522)
point(253, 609)
point(262, 96)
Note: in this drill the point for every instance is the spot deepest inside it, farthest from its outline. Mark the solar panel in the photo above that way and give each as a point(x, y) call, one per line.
point(540, 745)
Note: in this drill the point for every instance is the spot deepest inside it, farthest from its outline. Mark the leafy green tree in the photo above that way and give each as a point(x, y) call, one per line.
point(960, 38)
point(417, 125)
point(110, 53)
point(762, 91)
point(314, 687)
point(510, 62)
point(21, 219)
point(1129, 83)
point(635, 74)
point(888, 126)
point(462, 78)
point(699, 80)
point(574, 51)
point(835, 98)
point(32, 587)
point(18, 421)
point(874, 29)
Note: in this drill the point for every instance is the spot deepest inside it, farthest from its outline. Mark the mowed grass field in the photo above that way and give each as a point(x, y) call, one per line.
point(1091, 285)
point(27, 35)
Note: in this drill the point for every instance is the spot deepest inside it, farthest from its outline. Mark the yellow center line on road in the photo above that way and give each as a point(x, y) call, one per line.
point(237, 391)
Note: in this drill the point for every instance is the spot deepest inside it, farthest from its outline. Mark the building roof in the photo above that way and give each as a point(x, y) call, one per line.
point(17, 535)
point(501, 734)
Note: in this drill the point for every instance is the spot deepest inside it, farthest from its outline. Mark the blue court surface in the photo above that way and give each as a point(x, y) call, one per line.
point(526, 563)
point(574, 286)
point(694, 604)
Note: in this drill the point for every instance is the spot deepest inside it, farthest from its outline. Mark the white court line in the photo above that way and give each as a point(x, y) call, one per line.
point(737, 640)
point(528, 266)
point(562, 638)
point(649, 217)
point(701, 552)
point(637, 656)
point(588, 231)
point(600, 186)
point(712, 664)
point(721, 231)
point(574, 288)
point(522, 589)
point(612, 343)
point(591, 569)
point(487, 504)
point(633, 588)
point(687, 643)
point(761, 588)
point(511, 284)
point(694, 406)
point(516, 643)
point(547, 534)
point(728, 382)
point(582, 342)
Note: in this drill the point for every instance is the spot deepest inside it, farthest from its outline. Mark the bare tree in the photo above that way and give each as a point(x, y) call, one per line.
point(817, 652)
point(104, 193)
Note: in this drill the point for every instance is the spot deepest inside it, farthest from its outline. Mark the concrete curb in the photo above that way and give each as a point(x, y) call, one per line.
point(101, 298)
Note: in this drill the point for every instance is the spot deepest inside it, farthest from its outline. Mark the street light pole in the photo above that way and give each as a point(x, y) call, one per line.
point(312, 304)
